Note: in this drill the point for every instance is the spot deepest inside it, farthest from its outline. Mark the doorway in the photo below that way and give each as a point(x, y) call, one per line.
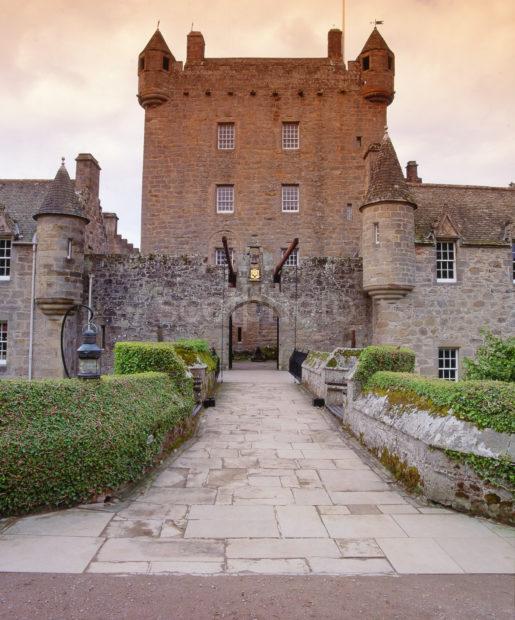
point(253, 337)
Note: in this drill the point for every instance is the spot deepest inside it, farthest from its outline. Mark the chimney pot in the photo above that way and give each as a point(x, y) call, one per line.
point(196, 47)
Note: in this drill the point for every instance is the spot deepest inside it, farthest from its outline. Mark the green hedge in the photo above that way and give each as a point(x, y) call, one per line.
point(487, 404)
point(63, 441)
point(193, 344)
point(494, 360)
point(384, 357)
point(136, 357)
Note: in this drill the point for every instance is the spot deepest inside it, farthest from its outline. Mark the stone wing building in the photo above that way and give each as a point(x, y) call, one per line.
point(274, 208)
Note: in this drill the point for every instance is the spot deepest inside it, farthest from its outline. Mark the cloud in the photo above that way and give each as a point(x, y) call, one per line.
point(68, 80)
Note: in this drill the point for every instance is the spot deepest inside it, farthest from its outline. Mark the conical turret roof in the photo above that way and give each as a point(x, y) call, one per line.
point(157, 43)
point(375, 42)
point(386, 182)
point(61, 198)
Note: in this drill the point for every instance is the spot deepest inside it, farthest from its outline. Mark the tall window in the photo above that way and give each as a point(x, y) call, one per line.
point(290, 136)
point(5, 259)
point(376, 234)
point(445, 261)
point(365, 63)
point(448, 364)
point(3, 342)
point(240, 335)
point(221, 259)
point(290, 198)
point(225, 199)
point(226, 136)
point(513, 261)
point(293, 258)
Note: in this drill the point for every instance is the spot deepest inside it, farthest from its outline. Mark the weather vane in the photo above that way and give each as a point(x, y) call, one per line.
point(158, 22)
point(377, 22)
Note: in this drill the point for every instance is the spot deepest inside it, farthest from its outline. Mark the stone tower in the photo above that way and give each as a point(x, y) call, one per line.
point(388, 236)
point(61, 225)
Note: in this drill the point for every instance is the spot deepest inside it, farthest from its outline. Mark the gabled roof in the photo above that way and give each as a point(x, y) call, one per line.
point(61, 198)
point(158, 43)
point(375, 42)
point(386, 180)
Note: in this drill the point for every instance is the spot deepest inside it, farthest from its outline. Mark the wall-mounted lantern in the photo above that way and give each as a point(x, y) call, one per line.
point(89, 354)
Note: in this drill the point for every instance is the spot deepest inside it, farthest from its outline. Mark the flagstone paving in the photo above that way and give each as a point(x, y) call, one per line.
point(269, 485)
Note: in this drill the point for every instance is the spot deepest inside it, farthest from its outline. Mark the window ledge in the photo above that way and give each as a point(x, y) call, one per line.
point(446, 281)
point(5, 278)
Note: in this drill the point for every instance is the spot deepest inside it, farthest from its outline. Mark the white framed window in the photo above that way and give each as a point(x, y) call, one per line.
point(293, 258)
point(226, 136)
point(225, 199)
point(291, 136)
point(445, 261)
point(5, 259)
point(290, 198)
point(3, 343)
point(376, 233)
point(221, 259)
point(448, 364)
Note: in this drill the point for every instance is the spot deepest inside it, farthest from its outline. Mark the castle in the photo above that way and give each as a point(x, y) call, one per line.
point(273, 201)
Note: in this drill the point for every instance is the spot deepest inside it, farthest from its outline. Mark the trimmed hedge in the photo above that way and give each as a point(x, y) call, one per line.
point(193, 344)
point(487, 404)
point(137, 357)
point(384, 357)
point(64, 441)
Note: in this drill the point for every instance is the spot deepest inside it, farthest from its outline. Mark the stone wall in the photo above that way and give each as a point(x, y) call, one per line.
point(414, 444)
point(437, 315)
point(258, 325)
point(164, 298)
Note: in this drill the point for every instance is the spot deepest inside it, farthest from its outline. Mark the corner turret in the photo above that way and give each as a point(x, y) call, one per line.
point(155, 64)
point(388, 226)
point(377, 63)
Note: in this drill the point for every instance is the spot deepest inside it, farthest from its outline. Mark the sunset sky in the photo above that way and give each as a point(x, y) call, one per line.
point(68, 79)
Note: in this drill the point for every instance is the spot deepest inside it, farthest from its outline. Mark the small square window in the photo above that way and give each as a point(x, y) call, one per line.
point(290, 198)
point(293, 258)
point(291, 139)
point(5, 259)
point(221, 259)
point(225, 199)
point(3, 343)
point(445, 261)
point(365, 63)
point(226, 136)
point(448, 364)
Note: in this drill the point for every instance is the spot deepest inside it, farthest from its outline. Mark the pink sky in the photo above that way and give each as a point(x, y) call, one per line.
point(68, 81)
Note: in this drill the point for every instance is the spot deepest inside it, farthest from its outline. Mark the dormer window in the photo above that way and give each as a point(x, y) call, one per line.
point(166, 63)
point(141, 64)
point(365, 63)
point(5, 259)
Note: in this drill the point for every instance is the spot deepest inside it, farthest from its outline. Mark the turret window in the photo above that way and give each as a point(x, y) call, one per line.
point(5, 259)
point(69, 253)
point(141, 63)
point(226, 136)
point(365, 63)
point(3, 343)
point(166, 63)
point(376, 233)
point(390, 63)
point(445, 261)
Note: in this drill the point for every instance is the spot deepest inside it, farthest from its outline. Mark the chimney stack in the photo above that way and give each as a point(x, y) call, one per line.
point(334, 45)
point(196, 47)
point(411, 172)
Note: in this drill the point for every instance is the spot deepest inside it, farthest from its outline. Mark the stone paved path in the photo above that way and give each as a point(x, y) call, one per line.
point(269, 486)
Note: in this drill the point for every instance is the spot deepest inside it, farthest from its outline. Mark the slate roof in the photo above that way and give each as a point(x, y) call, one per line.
point(375, 42)
point(482, 214)
point(22, 199)
point(61, 198)
point(386, 182)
